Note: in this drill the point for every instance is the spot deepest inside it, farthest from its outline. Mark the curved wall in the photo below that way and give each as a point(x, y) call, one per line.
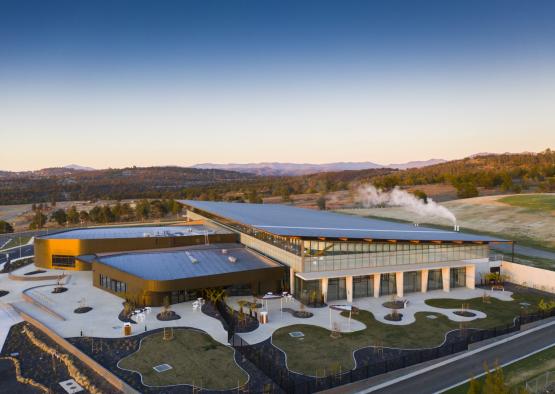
point(46, 247)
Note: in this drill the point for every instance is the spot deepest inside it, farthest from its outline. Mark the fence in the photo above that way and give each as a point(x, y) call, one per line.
point(271, 361)
point(539, 383)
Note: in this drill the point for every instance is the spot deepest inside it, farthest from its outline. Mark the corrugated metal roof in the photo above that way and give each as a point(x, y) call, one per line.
point(292, 221)
point(130, 232)
point(189, 262)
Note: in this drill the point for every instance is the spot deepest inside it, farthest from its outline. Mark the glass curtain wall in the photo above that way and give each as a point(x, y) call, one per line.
point(309, 292)
point(388, 284)
point(458, 277)
point(341, 255)
point(363, 286)
point(412, 281)
point(435, 280)
point(337, 289)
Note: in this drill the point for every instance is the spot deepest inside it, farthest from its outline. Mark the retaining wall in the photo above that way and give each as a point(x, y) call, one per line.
point(533, 277)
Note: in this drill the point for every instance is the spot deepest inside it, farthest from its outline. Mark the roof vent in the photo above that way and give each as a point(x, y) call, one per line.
point(232, 259)
point(191, 258)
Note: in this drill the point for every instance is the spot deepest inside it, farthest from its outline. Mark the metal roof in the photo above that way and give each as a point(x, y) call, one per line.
point(130, 232)
point(188, 262)
point(292, 221)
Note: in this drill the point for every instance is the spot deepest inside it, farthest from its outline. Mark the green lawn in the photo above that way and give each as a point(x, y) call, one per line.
point(196, 359)
point(538, 202)
point(318, 352)
point(518, 373)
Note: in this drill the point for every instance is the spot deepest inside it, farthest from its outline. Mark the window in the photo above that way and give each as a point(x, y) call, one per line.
point(63, 261)
point(363, 286)
point(111, 284)
point(458, 277)
point(412, 281)
point(435, 280)
point(337, 289)
point(388, 284)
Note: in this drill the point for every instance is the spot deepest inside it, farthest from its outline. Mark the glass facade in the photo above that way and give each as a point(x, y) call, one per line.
point(337, 289)
point(435, 280)
point(363, 286)
point(388, 284)
point(332, 256)
point(458, 277)
point(412, 281)
point(308, 291)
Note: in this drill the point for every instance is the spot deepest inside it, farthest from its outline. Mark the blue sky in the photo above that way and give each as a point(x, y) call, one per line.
point(117, 83)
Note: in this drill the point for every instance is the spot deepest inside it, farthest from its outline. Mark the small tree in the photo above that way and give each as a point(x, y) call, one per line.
point(321, 202)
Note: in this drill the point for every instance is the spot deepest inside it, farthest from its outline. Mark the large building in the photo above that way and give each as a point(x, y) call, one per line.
point(341, 257)
point(255, 248)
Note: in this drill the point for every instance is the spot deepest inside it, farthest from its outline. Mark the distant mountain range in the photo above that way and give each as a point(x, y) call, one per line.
point(284, 169)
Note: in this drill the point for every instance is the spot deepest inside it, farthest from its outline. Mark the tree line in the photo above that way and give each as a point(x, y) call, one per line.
point(120, 212)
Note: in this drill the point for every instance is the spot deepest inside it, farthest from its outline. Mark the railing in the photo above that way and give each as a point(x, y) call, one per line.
point(540, 383)
point(267, 357)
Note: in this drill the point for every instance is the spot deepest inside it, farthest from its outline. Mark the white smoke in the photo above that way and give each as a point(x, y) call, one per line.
point(369, 196)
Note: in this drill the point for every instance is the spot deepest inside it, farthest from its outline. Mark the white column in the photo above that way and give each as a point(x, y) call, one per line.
point(471, 276)
point(445, 275)
point(424, 281)
point(292, 280)
point(399, 283)
point(349, 285)
point(377, 280)
point(324, 284)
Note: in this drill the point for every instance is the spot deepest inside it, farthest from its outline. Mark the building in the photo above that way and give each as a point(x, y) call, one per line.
point(148, 264)
point(332, 256)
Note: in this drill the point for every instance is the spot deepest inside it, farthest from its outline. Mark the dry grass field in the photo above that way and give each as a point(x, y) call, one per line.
point(527, 218)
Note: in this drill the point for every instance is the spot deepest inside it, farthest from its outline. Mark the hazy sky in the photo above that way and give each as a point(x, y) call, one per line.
point(118, 83)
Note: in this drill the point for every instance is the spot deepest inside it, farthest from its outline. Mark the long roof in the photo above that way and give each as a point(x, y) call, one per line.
point(130, 232)
point(187, 262)
point(286, 220)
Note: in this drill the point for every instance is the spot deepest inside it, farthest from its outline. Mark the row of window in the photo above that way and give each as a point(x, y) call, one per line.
point(63, 261)
point(111, 284)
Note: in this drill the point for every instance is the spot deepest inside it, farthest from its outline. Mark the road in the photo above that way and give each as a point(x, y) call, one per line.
point(525, 251)
point(450, 374)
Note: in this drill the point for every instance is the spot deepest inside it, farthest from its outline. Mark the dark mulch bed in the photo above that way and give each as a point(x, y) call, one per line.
point(393, 317)
point(394, 304)
point(59, 289)
point(250, 323)
point(4, 292)
point(464, 313)
point(83, 309)
point(34, 272)
point(13, 265)
point(41, 367)
point(111, 350)
point(125, 318)
point(9, 381)
point(167, 316)
point(299, 314)
point(316, 304)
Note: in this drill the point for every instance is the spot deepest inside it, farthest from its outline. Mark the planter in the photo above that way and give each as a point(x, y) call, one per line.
point(168, 316)
point(394, 317)
point(4, 292)
point(394, 304)
point(34, 272)
point(59, 289)
point(83, 309)
point(464, 313)
point(302, 314)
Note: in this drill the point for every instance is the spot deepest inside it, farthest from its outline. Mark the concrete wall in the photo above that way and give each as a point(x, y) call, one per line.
point(524, 275)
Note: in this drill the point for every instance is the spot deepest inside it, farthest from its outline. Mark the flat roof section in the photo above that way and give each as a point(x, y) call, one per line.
point(131, 232)
point(301, 222)
point(188, 262)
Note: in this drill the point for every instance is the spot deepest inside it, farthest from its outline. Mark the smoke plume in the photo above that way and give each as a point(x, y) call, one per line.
point(369, 196)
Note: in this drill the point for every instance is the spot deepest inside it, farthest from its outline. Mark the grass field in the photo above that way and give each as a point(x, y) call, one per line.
point(318, 352)
point(518, 373)
point(540, 202)
point(196, 359)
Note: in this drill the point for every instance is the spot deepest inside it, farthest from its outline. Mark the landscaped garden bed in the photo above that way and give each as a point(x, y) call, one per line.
point(35, 272)
point(42, 367)
point(464, 313)
point(167, 316)
point(318, 352)
point(109, 351)
point(83, 309)
point(394, 304)
point(195, 358)
point(393, 317)
point(59, 289)
point(4, 293)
